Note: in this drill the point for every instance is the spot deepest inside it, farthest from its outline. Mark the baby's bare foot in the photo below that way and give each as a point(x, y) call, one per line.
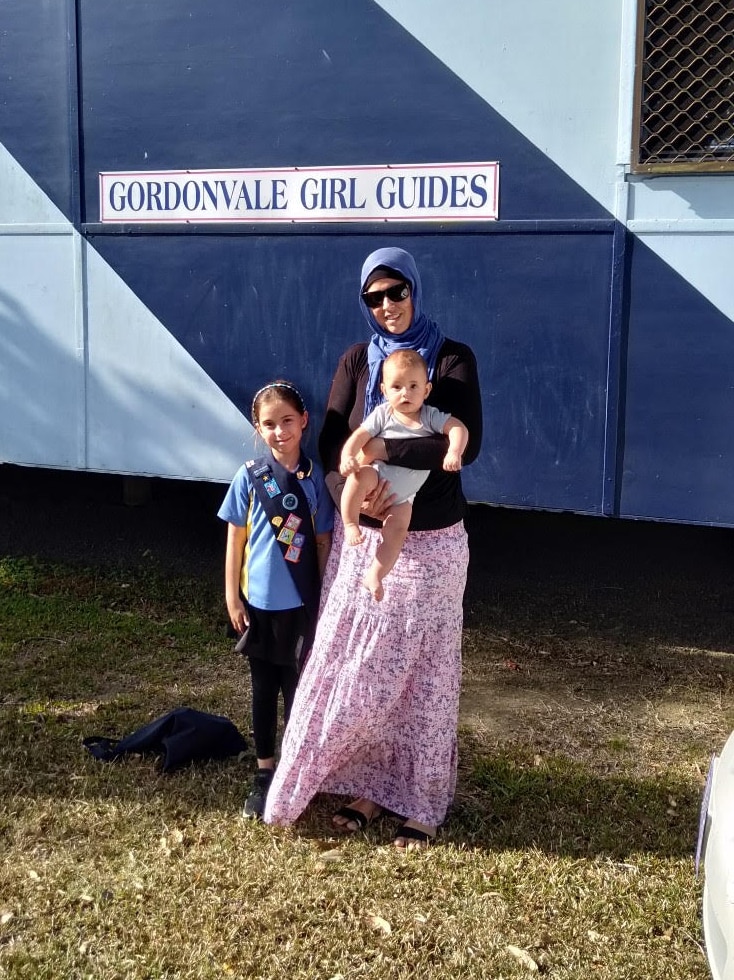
point(353, 534)
point(372, 582)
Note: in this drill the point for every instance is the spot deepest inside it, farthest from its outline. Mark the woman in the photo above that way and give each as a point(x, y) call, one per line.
point(376, 710)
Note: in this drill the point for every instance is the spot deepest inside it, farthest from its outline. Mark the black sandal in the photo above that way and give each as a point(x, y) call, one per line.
point(412, 833)
point(352, 815)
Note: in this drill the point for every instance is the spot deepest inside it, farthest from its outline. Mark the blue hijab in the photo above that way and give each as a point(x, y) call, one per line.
point(422, 335)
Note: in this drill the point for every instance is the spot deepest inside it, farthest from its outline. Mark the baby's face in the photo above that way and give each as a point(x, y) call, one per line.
point(406, 388)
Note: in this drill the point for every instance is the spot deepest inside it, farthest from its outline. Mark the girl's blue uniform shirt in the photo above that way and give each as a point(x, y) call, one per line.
point(266, 581)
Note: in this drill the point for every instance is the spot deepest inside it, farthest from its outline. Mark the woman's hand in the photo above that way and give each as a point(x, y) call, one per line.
point(378, 502)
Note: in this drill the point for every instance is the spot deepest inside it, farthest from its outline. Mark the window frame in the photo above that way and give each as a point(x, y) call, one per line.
point(689, 166)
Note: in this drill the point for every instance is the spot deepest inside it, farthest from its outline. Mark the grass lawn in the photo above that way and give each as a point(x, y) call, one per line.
point(598, 680)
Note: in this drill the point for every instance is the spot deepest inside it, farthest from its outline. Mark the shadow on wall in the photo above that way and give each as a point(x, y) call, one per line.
point(39, 381)
point(57, 410)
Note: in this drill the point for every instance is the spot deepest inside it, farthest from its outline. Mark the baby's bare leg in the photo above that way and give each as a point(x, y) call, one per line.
point(356, 488)
point(394, 531)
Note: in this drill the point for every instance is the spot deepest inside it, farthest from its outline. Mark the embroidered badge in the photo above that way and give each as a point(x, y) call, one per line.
point(292, 554)
point(272, 489)
point(286, 535)
point(293, 522)
point(261, 470)
point(290, 500)
point(299, 540)
point(277, 520)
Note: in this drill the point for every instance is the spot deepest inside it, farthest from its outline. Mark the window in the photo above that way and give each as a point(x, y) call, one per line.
point(684, 87)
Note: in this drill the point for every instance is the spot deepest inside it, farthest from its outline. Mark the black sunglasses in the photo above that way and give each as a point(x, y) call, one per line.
point(396, 294)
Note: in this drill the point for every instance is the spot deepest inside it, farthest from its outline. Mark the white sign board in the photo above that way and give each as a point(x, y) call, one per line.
point(425, 192)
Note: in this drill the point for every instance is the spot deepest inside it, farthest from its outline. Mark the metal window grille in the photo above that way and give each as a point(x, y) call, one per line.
point(684, 89)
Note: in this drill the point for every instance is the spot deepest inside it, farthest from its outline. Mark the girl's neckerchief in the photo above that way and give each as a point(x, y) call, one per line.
point(423, 335)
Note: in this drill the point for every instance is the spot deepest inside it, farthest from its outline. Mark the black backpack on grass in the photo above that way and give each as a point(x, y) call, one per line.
point(181, 737)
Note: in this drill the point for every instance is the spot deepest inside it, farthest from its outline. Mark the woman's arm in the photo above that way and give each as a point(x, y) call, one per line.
point(426, 453)
point(458, 392)
point(342, 414)
point(339, 407)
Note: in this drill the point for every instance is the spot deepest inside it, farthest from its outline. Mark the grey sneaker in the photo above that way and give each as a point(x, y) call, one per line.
point(255, 802)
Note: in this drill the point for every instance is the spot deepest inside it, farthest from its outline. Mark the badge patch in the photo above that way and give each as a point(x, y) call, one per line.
point(261, 470)
point(272, 489)
point(286, 535)
point(299, 540)
point(293, 522)
point(293, 554)
point(277, 520)
point(290, 500)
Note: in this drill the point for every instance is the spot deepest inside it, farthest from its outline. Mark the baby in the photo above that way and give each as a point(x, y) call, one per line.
point(405, 385)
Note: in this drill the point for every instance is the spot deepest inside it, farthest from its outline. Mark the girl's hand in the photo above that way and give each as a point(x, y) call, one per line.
point(379, 501)
point(238, 615)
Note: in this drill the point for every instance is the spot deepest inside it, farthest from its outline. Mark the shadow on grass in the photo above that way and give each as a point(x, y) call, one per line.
point(506, 800)
point(650, 601)
point(558, 806)
point(633, 580)
point(528, 569)
point(532, 574)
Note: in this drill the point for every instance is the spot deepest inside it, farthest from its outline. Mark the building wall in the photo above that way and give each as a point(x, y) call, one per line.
point(598, 305)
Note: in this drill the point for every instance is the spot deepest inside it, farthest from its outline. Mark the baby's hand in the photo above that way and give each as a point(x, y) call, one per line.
point(348, 464)
point(452, 461)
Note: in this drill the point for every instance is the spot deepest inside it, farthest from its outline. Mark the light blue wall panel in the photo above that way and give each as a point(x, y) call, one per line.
point(41, 356)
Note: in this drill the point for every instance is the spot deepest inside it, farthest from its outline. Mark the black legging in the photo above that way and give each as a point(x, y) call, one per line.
point(269, 680)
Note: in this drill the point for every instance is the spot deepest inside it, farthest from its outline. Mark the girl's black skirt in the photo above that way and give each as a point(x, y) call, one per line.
point(280, 636)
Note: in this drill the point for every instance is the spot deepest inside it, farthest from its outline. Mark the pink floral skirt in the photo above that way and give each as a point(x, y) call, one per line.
point(376, 709)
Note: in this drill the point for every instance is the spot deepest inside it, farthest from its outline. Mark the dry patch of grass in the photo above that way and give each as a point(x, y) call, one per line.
point(568, 854)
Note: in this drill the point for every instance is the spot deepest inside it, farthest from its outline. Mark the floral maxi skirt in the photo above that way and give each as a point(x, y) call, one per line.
point(376, 709)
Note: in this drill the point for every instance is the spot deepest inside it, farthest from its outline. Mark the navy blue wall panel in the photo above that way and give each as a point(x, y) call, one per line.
point(318, 83)
point(217, 84)
point(534, 307)
point(679, 436)
point(37, 102)
point(547, 350)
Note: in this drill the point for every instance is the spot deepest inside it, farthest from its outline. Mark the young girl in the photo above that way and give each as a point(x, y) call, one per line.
point(280, 518)
point(405, 385)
